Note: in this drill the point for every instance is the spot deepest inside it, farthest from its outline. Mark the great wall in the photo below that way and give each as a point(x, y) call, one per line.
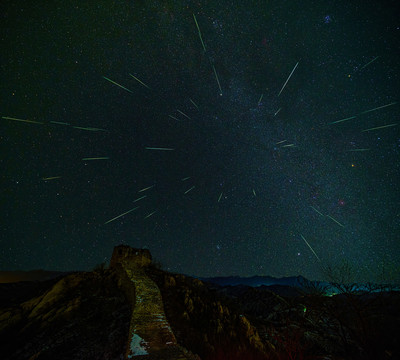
point(150, 335)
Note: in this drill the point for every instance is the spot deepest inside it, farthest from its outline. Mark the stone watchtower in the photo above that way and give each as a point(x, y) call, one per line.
point(130, 258)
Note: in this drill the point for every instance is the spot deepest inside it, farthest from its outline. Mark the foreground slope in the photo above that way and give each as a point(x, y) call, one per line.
point(82, 315)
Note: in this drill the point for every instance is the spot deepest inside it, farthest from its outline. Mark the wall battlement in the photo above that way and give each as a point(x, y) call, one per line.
point(130, 258)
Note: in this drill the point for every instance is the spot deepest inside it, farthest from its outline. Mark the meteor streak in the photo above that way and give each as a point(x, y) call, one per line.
point(157, 148)
point(380, 127)
point(379, 107)
point(140, 198)
point(181, 112)
point(147, 188)
point(22, 120)
point(150, 214)
point(198, 29)
point(312, 207)
point(120, 215)
point(364, 112)
point(189, 190)
point(342, 120)
point(216, 76)
point(337, 222)
point(88, 128)
point(113, 82)
point(141, 82)
point(51, 178)
point(288, 78)
point(193, 103)
point(310, 247)
point(369, 62)
point(59, 122)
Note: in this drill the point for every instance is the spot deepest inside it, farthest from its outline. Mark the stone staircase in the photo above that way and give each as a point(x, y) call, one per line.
point(151, 334)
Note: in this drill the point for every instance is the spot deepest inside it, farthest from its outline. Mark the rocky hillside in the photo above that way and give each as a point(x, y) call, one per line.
point(78, 316)
point(206, 322)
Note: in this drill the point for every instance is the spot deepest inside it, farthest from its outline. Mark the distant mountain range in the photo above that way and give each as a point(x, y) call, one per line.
point(287, 286)
point(290, 286)
point(254, 281)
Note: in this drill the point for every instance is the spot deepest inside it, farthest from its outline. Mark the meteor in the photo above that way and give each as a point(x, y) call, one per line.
point(288, 78)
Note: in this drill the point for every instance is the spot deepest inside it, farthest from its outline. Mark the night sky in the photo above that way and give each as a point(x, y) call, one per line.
point(264, 179)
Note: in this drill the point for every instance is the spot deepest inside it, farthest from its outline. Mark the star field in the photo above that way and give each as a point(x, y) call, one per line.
point(269, 178)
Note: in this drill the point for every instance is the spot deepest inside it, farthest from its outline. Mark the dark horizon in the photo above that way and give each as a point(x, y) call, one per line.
point(41, 274)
